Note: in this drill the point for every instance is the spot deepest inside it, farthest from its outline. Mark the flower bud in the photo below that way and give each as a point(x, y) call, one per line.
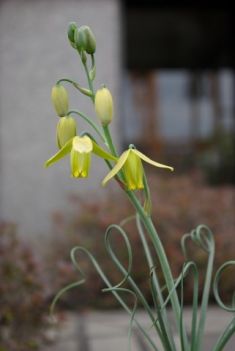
point(84, 39)
point(80, 38)
point(77, 40)
point(90, 40)
point(66, 130)
point(71, 30)
point(104, 105)
point(60, 100)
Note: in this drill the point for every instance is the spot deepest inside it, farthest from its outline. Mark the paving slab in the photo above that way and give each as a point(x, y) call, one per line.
point(65, 334)
point(108, 331)
point(112, 344)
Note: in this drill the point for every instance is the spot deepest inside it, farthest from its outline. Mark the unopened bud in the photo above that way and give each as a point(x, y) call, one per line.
point(80, 38)
point(84, 39)
point(104, 105)
point(90, 40)
point(66, 130)
point(60, 100)
point(71, 31)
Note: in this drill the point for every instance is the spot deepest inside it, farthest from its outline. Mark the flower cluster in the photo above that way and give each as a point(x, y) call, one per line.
point(127, 168)
point(81, 147)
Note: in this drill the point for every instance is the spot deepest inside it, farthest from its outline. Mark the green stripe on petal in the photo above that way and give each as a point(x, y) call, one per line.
point(97, 150)
point(117, 167)
point(151, 162)
point(60, 154)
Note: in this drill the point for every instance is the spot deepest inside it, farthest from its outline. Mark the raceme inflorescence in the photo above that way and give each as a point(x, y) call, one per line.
point(127, 169)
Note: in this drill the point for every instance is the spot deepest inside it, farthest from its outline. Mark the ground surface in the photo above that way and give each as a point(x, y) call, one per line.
point(107, 331)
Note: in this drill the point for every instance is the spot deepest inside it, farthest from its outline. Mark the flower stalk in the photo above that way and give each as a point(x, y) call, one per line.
point(128, 170)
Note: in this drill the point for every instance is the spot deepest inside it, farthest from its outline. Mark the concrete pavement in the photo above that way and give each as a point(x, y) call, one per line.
point(107, 331)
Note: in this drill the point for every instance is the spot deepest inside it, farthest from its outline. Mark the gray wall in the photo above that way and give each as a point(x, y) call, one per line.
point(34, 53)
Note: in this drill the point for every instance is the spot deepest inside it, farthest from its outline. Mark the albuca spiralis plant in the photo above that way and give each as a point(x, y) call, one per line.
point(127, 170)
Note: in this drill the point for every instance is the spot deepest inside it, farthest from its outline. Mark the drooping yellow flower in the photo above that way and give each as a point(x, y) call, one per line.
point(60, 100)
point(131, 164)
point(104, 105)
point(80, 157)
point(80, 149)
point(66, 129)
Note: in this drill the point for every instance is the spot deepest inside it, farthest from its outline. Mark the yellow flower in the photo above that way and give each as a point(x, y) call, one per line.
point(104, 105)
point(131, 164)
point(80, 149)
point(80, 156)
point(66, 129)
point(60, 100)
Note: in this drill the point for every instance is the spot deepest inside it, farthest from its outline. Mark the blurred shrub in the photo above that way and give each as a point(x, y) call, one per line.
point(218, 161)
point(23, 291)
point(179, 205)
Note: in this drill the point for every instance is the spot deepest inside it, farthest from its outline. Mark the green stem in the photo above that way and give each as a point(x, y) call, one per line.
point(162, 258)
point(89, 121)
point(156, 284)
point(126, 273)
point(147, 221)
point(89, 82)
point(114, 292)
point(225, 336)
point(77, 86)
point(205, 298)
point(109, 140)
point(148, 225)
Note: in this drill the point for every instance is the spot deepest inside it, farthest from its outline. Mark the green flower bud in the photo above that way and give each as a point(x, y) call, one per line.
point(104, 106)
point(60, 100)
point(71, 31)
point(80, 38)
point(90, 40)
point(84, 39)
point(66, 130)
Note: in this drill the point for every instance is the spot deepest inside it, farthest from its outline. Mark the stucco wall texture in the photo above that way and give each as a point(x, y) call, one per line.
point(34, 54)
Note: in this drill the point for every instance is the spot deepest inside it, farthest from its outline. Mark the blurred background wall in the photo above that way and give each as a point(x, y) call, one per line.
point(34, 54)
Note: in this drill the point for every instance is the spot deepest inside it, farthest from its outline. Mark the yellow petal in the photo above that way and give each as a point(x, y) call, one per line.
point(97, 150)
point(117, 167)
point(80, 164)
point(151, 162)
point(60, 154)
point(133, 171)
point(82, 144)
